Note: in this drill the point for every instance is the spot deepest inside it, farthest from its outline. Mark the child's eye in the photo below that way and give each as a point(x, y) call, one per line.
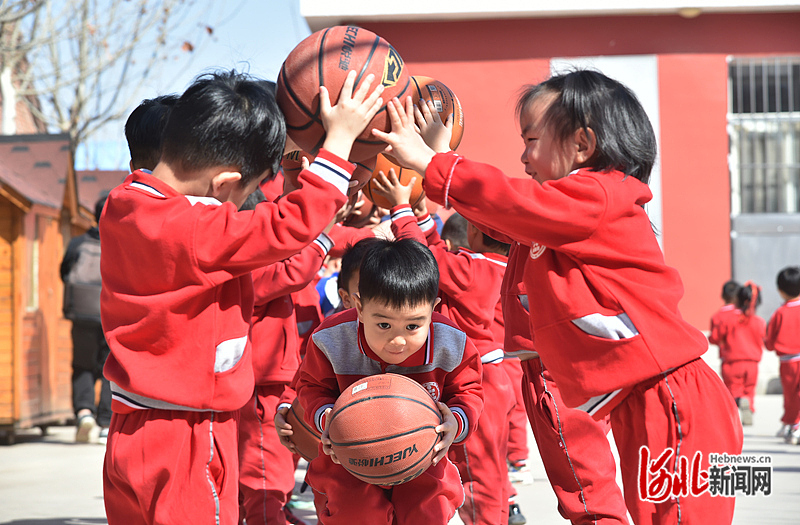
point(384, 326)
point(412, 327)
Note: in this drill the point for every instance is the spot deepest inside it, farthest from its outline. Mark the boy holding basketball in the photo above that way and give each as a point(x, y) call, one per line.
point(392, 329)
point(177, 297)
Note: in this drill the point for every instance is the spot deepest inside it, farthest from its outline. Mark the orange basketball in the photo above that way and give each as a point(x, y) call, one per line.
point(292, 165)
point(323, 59)
point(382, 429)
point(404, 175)
point(445, 102)
point(304, 437)
point(362, 174)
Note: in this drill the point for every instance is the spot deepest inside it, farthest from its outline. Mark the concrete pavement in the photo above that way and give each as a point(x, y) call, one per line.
point(50, 480)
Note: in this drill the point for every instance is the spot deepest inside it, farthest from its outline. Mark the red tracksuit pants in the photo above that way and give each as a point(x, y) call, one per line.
point(342, 499)
point(740, 377)
point(518, 422)
point(481, 459)
point(575, 452)
point(790, 381)
point(266, 467)
point(172, 467)
point(685, 411)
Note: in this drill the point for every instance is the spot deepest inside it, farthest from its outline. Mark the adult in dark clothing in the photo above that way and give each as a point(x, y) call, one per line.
point(80, 271)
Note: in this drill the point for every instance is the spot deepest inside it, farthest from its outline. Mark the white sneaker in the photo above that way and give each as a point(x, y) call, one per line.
point(520, 473)
point(793, 438)
point(784, 431)
point(86, 424)
point(745, 413)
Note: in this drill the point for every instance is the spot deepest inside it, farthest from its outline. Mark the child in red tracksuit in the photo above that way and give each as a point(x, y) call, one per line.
point(266, 469)
point(392, 329)
point(177, 296)
point(740, 336)
point(469, 288)
point(606, 325)
point(783, 336)
point(729, 290)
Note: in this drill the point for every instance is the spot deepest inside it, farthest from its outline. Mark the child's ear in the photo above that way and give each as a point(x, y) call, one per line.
point(345, 297)
point(223, 182)
point(586, 142)
point(436, 302)
point(359, 306)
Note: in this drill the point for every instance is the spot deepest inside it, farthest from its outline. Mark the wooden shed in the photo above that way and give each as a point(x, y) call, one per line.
point(39, 213)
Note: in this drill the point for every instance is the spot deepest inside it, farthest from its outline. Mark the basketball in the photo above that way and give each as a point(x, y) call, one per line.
point(304, 437)
point(445, 102)
point(323, 59)
point(382, 429)
point(404, 175)
point(363, 173)
point(292, 165)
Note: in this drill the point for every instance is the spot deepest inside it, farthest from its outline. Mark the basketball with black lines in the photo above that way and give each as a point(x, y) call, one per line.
point(382, 429)
point(323, 59)
point(444, 101)
point(304, 436)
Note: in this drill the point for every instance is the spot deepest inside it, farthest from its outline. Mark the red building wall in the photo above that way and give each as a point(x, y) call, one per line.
point(486, 62)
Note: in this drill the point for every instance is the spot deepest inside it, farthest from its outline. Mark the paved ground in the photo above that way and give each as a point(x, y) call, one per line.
point(50, 480)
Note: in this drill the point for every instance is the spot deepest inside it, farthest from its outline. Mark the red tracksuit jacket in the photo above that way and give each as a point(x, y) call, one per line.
point(177, 299)
point(469, 282)
point(276, 344)
point(448, 366)
point(739, 338)
point(783, 331)
point(607, 305)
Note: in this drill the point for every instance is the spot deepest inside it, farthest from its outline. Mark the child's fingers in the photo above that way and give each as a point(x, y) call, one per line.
point(360, 93)
point(450, 120)
point(324, 99)
point(435, 117)
point(349, 82)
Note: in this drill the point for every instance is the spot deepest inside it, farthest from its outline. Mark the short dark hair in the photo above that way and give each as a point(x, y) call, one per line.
point(588, 99)
point(226, 119)
point(455, 230)
point(789, 281)
point(351, 260)
point(729, 290)
point(144, 129)
point(98, 206)
point(400, 273)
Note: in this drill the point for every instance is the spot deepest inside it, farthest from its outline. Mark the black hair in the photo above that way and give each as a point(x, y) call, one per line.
point(748, 297)
point(789, 281)
point(729, 290)
point(351, 261)
point(226, 119)
point(494, 244)
point(455, 230)
point(253, 199)
point(144, 129)
point(588, 99)
point(98, 206)
point(400, 273)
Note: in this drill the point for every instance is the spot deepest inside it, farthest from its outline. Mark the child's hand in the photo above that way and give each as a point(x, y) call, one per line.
point(436, 133)
point(326, 441)
point(345, 121)
point(405, 142)
point(391, 189)
point(284, 429)
point(420, 209)
point(448, 430)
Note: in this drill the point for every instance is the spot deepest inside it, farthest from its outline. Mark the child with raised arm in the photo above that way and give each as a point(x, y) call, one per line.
point(783, 337)
point(177, 297)
point(607, 324)
point(394, 329)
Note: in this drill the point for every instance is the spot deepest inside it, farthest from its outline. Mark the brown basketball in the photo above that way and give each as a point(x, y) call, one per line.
point(292, 165)
point(404, 175)
point(363, 173)
point(382, 429)
point(304, 437)
point(444, 100)
point(323, 59)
